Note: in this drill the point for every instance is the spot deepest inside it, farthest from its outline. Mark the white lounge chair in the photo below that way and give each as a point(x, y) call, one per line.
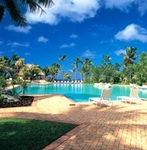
point(132, 98)
point(103, 99)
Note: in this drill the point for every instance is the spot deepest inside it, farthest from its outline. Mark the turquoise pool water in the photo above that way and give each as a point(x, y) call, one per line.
point(79, 92)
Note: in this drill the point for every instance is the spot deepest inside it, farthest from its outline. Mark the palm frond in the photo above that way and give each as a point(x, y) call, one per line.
point(2, 10)
point(15, 13)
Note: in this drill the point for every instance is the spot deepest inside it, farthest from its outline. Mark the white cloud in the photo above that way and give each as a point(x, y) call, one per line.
point(120, 4)
point(15, 44)
point(18, 29)
point(27, 54)
point(143, 7)
point(89, 54)
point(67, 45)
point(42, 39)
point(119, 52)
point(74, 36)
point(79, 10)
point(124, 5)
point(74, 10)
point(132, 32)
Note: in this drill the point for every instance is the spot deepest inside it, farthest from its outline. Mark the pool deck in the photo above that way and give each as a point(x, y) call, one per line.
point(122, 126)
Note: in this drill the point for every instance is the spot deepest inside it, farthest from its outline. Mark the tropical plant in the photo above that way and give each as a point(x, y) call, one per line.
point(34, 71)
point(86, 68)
point(11, 71)
point(75, 64)
point(16, 9)
point(63, 58)
point(25, 72)
point(3, 82)
point(66, 76)
point(24, 86)
point(54, 70)
point(95, 74)
point(130, 55)
point(19, 64)
point(46, 71)
point(140, 75)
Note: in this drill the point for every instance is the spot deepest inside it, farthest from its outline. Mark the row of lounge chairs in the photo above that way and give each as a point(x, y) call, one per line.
point(104, 99)
point(69, 82)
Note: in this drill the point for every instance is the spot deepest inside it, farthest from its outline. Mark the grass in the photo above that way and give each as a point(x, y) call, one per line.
point(26, 134)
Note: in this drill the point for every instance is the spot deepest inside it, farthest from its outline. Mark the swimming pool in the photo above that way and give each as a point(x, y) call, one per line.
point(78, 92)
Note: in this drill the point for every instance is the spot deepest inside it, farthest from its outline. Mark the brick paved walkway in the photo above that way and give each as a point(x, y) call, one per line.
point(120, 127)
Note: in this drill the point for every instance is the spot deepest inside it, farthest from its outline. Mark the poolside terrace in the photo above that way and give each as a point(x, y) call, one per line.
point(120, 127)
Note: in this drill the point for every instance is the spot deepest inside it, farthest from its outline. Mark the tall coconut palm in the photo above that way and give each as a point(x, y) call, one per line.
point(106, 68)
point(54, 70)
point(75, 64)
point(46, 71)
point(15, 9)
point(10, 70)
point(141, 69)
point(86, 67)
point(63, 58)
point(3, 60)
point(25, 72)
point(34, 71)
point(66, 76)
point(128, 59)
point(130, 55)
point(19, 64)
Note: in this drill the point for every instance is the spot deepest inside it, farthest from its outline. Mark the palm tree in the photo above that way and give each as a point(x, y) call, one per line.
point(76, 65)
point(128, 60)
point(19, 64)
point(14, 9)
point(25, 72)
point(140, 74)
point(130, 56)
point(24, 86)
point(86, 68)
point(3, 60)
point(63, 58)
point(54, 70)
point(10, 69)
point(46, 71)
point(66, 76)
point(34, 71)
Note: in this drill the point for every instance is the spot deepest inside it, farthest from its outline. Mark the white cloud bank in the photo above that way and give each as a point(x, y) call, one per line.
point(125, 5)
point(27, 54)
point(15, 44)
point(132, 32)
point(67, 45)
point(42, 39)
point(89, 54)
point(74, 10)
point(79, 10)
point(18, 29)
point(73, 36)
point(119, 52)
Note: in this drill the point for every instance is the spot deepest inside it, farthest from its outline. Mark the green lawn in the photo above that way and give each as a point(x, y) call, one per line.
point(26, 134)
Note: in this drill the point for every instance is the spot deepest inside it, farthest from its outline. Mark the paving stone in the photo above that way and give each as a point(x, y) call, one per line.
point(122, 126)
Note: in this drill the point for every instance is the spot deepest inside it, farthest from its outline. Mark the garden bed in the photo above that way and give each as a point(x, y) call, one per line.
point(21, 101)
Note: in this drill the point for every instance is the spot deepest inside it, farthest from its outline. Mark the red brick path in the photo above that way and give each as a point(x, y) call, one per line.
point(120, 127)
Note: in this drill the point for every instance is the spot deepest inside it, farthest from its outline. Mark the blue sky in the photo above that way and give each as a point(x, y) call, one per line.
point(77, 28)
